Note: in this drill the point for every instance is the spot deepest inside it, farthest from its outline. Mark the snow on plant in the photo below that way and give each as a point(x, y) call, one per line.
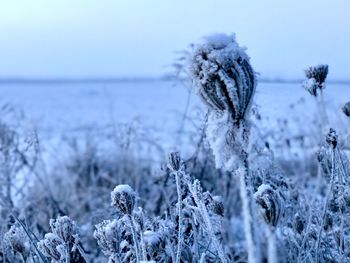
point(62, 244)
point(225, 81)
point(17, 241)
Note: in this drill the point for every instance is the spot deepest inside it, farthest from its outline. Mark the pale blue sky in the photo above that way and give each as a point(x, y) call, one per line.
point(104, 38)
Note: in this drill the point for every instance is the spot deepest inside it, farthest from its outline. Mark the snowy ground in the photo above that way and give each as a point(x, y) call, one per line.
point(66, 109)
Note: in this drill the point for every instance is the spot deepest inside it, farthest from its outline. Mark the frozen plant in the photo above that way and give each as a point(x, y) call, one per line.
point(225, 80)
point(315, 84)
point(18, 242)
point(62, 244)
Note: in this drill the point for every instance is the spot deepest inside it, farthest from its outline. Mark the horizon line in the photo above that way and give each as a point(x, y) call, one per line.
point(80, 80)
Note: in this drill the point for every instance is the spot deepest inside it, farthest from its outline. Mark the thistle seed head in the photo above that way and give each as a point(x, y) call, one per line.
point(270, 203)
point(346, 109)
point(123, 198)
point(65, 228)
point(222, 74)
point(49, 246)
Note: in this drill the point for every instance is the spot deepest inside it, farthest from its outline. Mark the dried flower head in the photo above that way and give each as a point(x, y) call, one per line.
point(49, 246)
point(316, 77)
point(106, 234)
point(174, 161)
point(223, 76)
point(270, 203)
point(332, 138)
point(346, 109)
point(65, 228)
point(123, 198)
point(17, 240)
point(318, 73)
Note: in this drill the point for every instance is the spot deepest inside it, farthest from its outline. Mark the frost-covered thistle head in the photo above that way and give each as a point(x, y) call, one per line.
point(17, 240)
point(65, 228)
point(346, 109)
point(316, 77)
point(106, 236)
point(49, 246)
point(123, 197)
point(224, 79)
point(332, 138)
point(270, 203)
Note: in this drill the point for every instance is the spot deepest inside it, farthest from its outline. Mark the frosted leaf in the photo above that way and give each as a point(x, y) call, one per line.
point(225, 140)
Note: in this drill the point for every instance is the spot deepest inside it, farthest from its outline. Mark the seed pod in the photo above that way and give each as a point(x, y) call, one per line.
point(65, 228)
point(223, 76)
point(174, 161)
point(346, 109)
point(123, 198)
point(332, 138)
point(270, 203)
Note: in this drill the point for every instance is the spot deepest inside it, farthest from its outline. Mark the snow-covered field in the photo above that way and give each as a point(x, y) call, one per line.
point(63, 109)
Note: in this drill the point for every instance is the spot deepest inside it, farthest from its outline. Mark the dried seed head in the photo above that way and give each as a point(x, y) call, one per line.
point(106, 234)
point(174, 161)
point(223, 76)
point(65, 228)
point(316, 77)
point(332, 138)
point(319, 73)
point(123, 198)
point(270, 203)
point(48, 246)
point(298, 223)
point(346, 109)
point(17, 240)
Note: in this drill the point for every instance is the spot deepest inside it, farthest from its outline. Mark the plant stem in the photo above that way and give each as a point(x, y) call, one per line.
point(179, 202)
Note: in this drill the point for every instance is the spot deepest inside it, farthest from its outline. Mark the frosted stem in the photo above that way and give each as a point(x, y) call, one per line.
point(248, 228)
point(179, 202)
point(271, 249)
point(134, 237)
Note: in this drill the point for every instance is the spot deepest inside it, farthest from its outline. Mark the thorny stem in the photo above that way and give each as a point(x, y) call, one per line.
point(325, 208)
point(179, 202)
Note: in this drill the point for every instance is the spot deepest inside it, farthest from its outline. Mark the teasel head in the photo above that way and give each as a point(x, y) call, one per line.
point(346, 109)
point(223, 77)
point(65, 228)
point(174, 161)
point(332, 138)
point(123, 197)
point(270, 203)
